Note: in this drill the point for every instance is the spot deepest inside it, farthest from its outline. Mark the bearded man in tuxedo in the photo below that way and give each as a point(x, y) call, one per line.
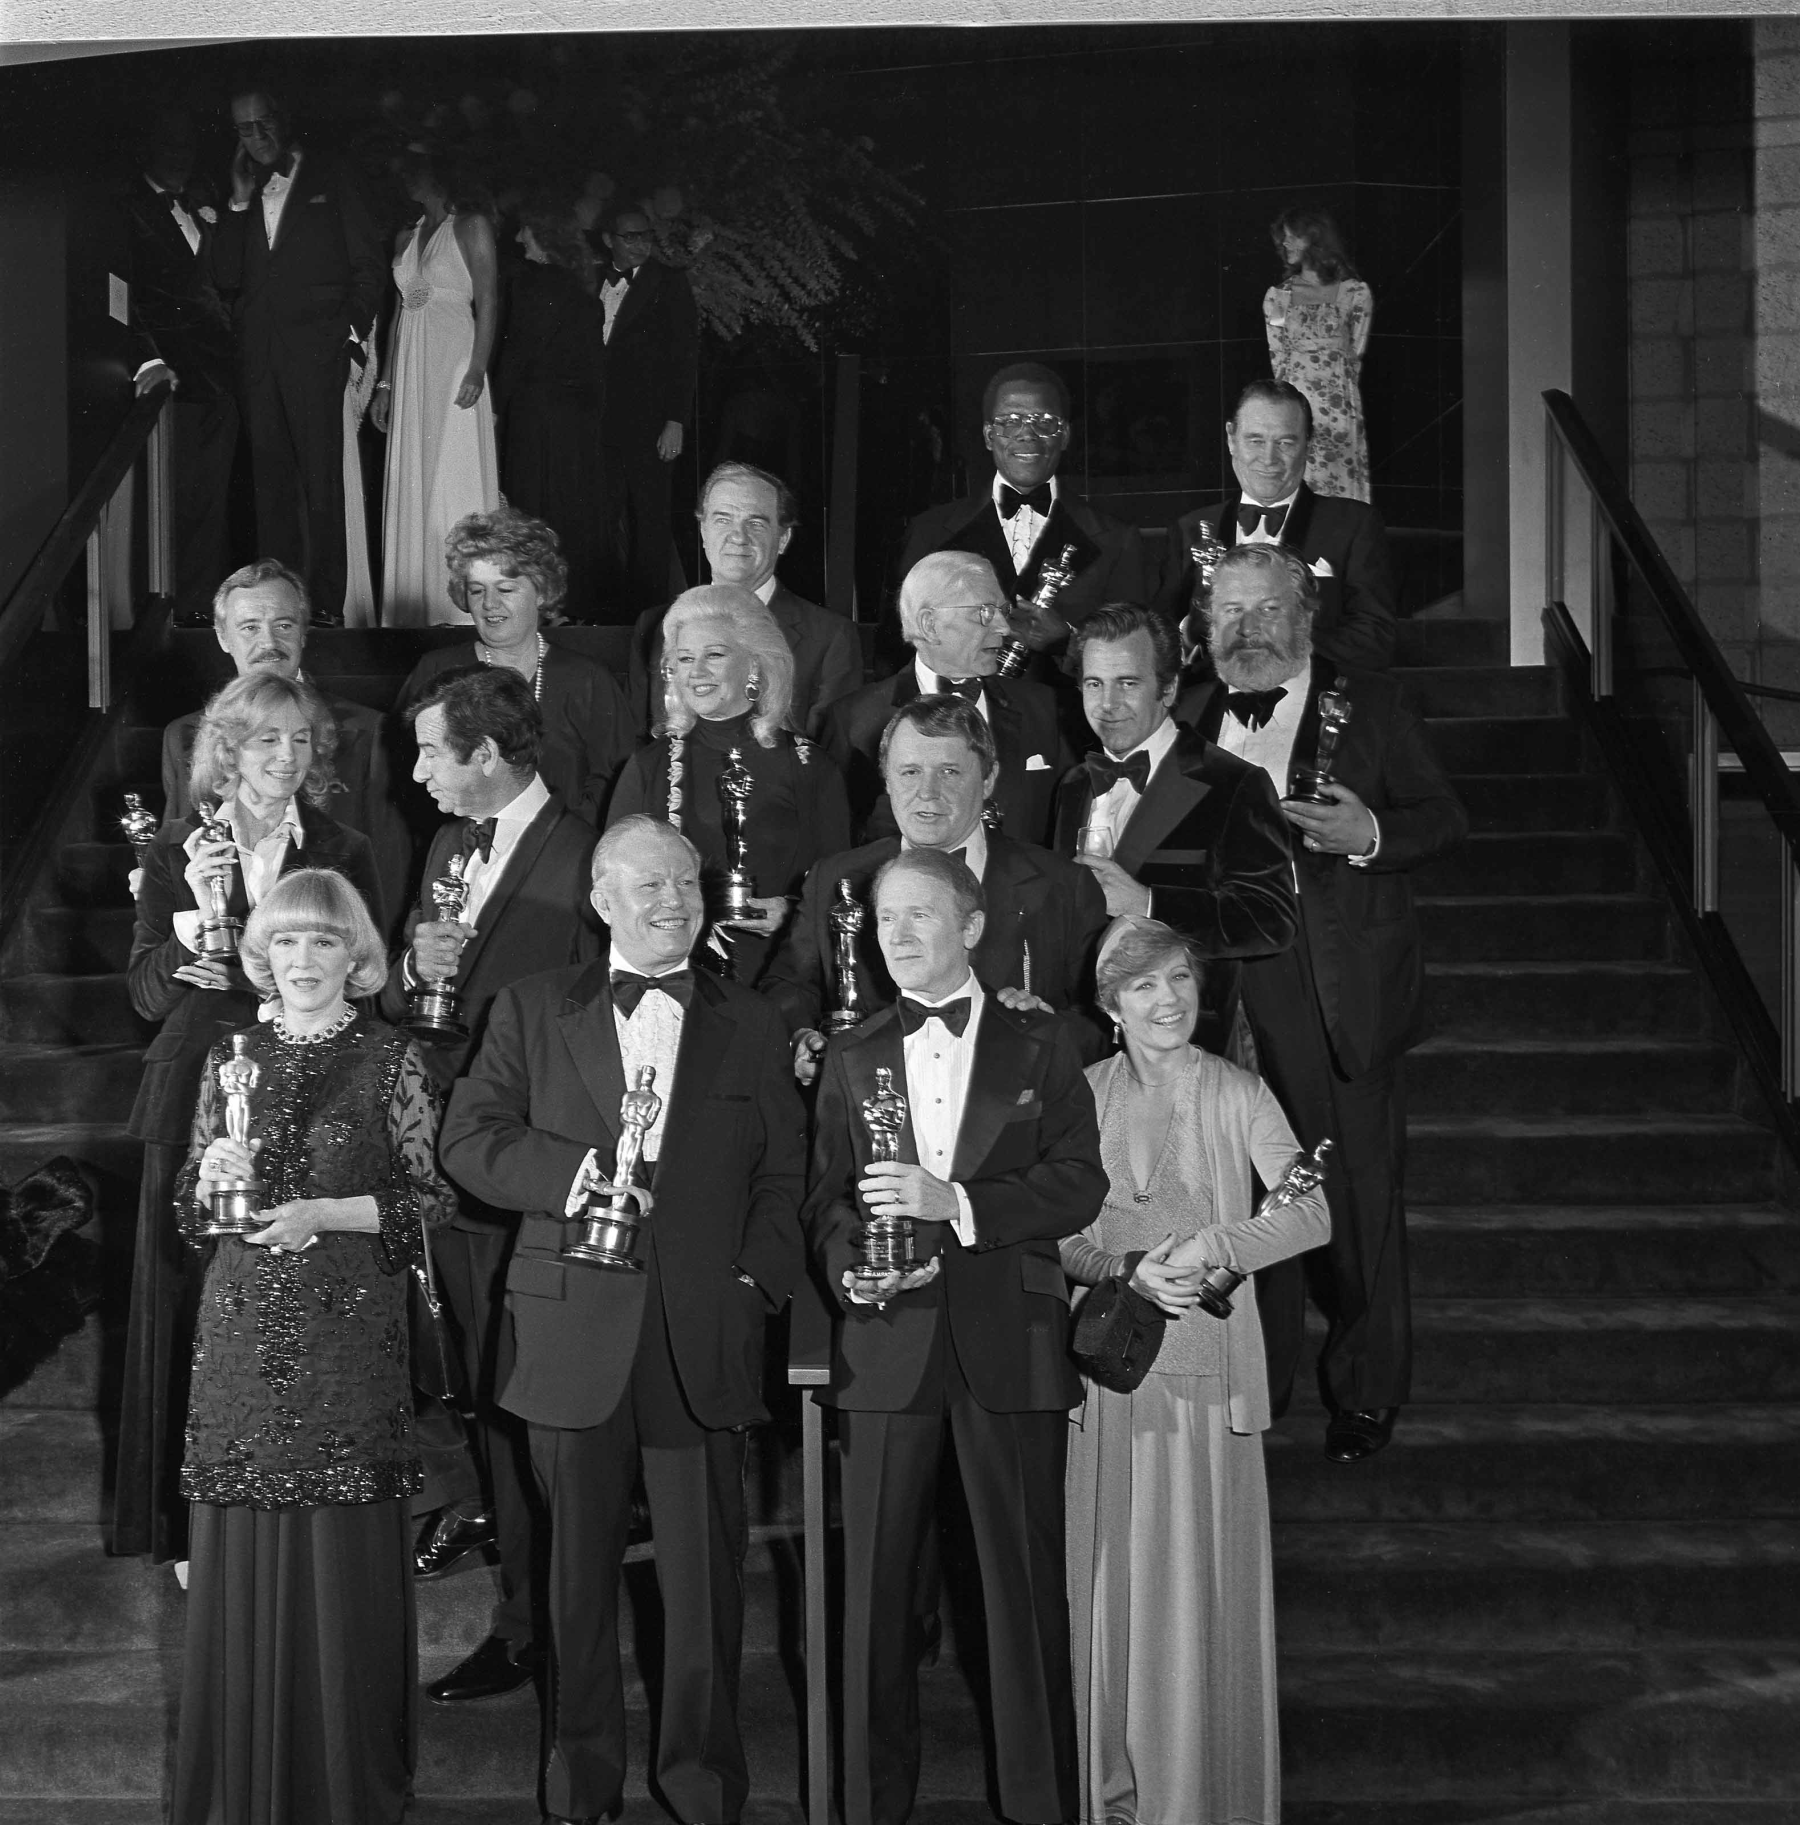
point(1332, 1016)
point(999, 1158)
point(1342, 542)
point(1026, 517)
point(661, 1368)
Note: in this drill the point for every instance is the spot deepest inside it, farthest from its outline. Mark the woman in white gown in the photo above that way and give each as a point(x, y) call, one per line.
point(435, 403)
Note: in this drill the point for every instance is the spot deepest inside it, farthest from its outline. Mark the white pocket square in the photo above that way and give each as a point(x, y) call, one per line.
point(1321, 567)
point(1037, 764)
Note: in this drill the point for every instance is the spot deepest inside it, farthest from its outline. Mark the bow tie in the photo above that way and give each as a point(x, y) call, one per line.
point(629, 988)
point(1105, 772)
point(615, 277)
point(1271, 519)
point(914, 1014)
point(1037, 499)
point(479, 835)
point(1254, 708)
point(967, 688)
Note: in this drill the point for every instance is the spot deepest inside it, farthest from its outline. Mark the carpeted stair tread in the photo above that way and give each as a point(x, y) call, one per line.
point(1450, 640)
point(105, 1145)
point(1533, 862)
point(1522, 1811)
point(95, 873)
point(1449, 1076)
point(48, 1009)
point(1481, 690)
point(50, 1465)
point(40, 1083)
point(1542, 928)
point(1505, 744)
point(80, 939)
point(71, 1375)
point(59, 1590)
point(1544, 1000)
point(1534, 801)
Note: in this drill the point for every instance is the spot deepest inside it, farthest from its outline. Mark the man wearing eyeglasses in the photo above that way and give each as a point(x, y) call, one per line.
point(652, 334)
point(1026, 517)
point(301, 252)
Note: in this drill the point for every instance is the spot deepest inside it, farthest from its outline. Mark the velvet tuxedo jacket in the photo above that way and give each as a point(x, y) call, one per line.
point(827, 653)
point(1358, 924)
point(1355, 624)
point(1028, 1156)
point(544, 1088)
point(194, 1019)
point(1038, 904)
point(1109, 561)
point(298, 302)
point(1028, 739)
point(177, 314)
point(651, 362)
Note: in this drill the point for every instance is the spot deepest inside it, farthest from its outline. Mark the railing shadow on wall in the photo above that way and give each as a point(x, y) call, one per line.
point(1664, 707)
point(59, 645)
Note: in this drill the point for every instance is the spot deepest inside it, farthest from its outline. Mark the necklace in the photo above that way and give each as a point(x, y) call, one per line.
point(537, 676)
point(677, 745)
point(284, 1032)
point(1175, 1085)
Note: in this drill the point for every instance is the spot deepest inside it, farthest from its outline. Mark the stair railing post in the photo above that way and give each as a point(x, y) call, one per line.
point(99, 614)
point(159, 479)
point(1600, 641)
point(1553, 511)
point(1703, 797)
point(1790, 976)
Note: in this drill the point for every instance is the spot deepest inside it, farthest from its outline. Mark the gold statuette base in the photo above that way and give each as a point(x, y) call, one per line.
point(887, 1245)
point(220, 940)
point(739, 890)
point(609, 1239)
point(435, 1013)
point(236, 1208)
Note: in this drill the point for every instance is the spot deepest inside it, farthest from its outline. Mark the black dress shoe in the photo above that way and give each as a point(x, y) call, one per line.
point(486, 1673)
point(449, 1541)
point(1351, 1437)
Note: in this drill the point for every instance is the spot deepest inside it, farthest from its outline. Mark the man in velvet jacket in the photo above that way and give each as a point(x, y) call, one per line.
point(1026, 517)
point(953, 615)
point(1332, 1016)
point(1186, 834)
point(664, 1365)
point(1343, 542)
point(999, 1158)
point(301, 252)
point(526, 861)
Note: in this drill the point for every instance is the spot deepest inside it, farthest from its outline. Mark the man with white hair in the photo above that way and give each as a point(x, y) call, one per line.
point(661, 1368)
point(953, 614)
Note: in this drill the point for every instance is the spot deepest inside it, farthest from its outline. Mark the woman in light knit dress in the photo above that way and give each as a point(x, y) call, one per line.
point(1171, 1602)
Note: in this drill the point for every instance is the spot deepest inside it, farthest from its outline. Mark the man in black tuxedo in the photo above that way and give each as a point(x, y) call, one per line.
point(1043, 919)
point(182, 332)
point(664, 1366)
point(953, 616)
point(1332, 1016)
point(260, 617)
point(652, 361)
point(301, 252)
point(1343, 542)
point(999, 1158)
point(1026, 518)
point(1171, 827)
point(525, 860)
point(747, 518)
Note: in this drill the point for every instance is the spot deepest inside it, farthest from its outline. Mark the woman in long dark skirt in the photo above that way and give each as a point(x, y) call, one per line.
point(298, 1701)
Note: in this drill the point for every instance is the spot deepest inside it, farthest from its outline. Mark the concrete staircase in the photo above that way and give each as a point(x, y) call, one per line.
point(1567, 1594)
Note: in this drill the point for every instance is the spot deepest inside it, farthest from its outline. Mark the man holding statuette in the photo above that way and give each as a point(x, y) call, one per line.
point(998, 1159)
point(665, 1364)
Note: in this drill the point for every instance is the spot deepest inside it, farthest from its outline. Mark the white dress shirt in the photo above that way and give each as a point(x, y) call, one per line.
point(928, 676)
point(260, 863)
point(1026, 527)
point(190, 229)
point(1114, 807)
point(612, 295)
point(938, 1064)
point(1262, 535)
point(482, 874)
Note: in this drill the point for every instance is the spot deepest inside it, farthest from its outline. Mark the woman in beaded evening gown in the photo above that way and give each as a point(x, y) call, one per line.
point(1318, 320)
point(1171, 1597)
point(436, 405)
point(728, 684)
point(298, 1687)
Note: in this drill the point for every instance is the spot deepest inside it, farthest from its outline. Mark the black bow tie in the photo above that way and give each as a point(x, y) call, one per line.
point(1254, 708)
point(629, 988)
point(914, 1014)
point(1037, 499)
point(966, 688)
point(479, 835)
point(615, 277)
point(1271, 519)
point(1105, 772)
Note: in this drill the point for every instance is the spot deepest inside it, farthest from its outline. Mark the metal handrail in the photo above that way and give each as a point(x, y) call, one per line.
point(36, 592)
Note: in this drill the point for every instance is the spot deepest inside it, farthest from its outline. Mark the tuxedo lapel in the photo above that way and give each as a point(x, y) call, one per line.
point(1003, 1061)
point(1073, 798)
point(1298, 524)
point(877, 1042)
point(1004, 720)
point(1063, 527)
point(638, 297)
point(587, 1029)
point(1171, 793)
point(706, 1032)
point(1211, 717)
point(516, 872)
point(975, 526)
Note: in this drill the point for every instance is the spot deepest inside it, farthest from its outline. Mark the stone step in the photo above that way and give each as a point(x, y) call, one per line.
point(72, 1375)
point(1482, 690)
point(1540, 801)
point(1543, 928)
point(103, 1146)
point(69, 1083)
point(1544, 1001)
point(1536, 863)
point(52, 1467)
point(1538, 1078)
point(1592, 1160)
point(1599, 1251)
point(80, 940)
point(1505, 744)
point(1451, 640)
point(95, 873)
point(47, 1009)
point(1518, 1464)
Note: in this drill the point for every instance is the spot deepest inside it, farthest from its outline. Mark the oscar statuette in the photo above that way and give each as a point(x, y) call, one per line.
point(237, 1203)
point(886, 1242)
point(433, 1009)
point(846, 919)
point(1305, 1173)
point(219, 927)
point(139, 826)
point(611, 1223)
point(1334, 715)
point(734, 799)
point(1058, 573)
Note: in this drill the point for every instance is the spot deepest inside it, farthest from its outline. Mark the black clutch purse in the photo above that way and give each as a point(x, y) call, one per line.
point(1117, 1335)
